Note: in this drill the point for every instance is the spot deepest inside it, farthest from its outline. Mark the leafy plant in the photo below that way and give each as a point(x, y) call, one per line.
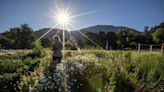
point(38, 49)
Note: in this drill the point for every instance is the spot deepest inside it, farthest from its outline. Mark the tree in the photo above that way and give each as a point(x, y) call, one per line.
point(95, 39)
point(148, 35)
point(89, 39)
point(46, 42)
point(25, 37)
point(146, 31)
point(125, 38)
point(153, 29)
point(6, 43)
point(18, 38)
point(100, 39)
point(9, 38)
point(158, 35)
point(140, 39)
point(111, 37)
point(161, 25)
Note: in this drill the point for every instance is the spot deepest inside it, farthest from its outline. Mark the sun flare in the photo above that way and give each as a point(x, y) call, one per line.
point(63, 18)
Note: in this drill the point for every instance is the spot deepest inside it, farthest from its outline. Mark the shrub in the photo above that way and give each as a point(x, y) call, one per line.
point(38, 49)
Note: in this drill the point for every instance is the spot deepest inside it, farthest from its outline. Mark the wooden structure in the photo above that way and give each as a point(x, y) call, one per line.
point(106, 47)
point(150, 47)
point(162, 47)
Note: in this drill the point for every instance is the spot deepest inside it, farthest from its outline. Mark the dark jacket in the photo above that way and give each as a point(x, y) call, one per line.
point(57, 48)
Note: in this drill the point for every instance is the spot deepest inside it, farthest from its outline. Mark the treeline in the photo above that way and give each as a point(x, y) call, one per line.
point(21, 38)
point(125, 38)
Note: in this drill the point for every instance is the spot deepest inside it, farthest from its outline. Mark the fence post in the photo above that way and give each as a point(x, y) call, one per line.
point(162, 48)
point(151, 47)
point(139, 47)
point(106, 45)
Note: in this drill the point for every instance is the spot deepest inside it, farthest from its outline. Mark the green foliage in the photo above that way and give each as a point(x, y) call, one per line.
point(112, 38)
point(46, 42)
point(121, 71)
point(99, 39)
point(25, 37)
point(38, 49)
point(96, 84)
point(68, 54)
point(92, 36)
point(71, 45)
point(159, 35)
point(11, 70)
point(153, 35)
point(141, 39)
point(125, 38)
point(93, 71)
point(148, 37)
point(18, 38)
point(161, 25)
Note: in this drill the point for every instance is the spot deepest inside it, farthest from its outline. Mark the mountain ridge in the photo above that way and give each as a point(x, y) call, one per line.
point(104, 28)
point(78, 35)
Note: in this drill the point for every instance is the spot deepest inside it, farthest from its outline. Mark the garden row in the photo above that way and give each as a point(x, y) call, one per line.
point(104, 71)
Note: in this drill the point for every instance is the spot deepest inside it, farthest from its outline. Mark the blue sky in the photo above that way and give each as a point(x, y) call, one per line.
point(131, 13)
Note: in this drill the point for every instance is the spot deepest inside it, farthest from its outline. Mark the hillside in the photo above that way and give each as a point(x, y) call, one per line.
point(104, 28)
point(53, 32)
point(78, 35)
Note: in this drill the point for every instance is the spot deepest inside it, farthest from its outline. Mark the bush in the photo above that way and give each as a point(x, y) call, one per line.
point(38, 49)
point(11, 70)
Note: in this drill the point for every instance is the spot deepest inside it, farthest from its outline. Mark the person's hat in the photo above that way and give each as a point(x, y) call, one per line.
point(56, 36)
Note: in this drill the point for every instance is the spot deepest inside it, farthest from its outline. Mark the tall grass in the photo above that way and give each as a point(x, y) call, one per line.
point(123, 71)
point(88, 71)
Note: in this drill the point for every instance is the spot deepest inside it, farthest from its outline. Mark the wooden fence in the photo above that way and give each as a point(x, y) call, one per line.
point(151, 47)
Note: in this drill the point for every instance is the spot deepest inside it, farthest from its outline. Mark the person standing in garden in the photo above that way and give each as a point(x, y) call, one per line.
point(56, 56)
point(57, 50)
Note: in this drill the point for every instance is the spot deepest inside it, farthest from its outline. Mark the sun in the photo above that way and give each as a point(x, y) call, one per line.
point(63, 18)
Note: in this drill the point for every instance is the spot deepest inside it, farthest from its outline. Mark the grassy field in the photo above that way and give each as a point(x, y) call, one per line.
point(85, 71)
